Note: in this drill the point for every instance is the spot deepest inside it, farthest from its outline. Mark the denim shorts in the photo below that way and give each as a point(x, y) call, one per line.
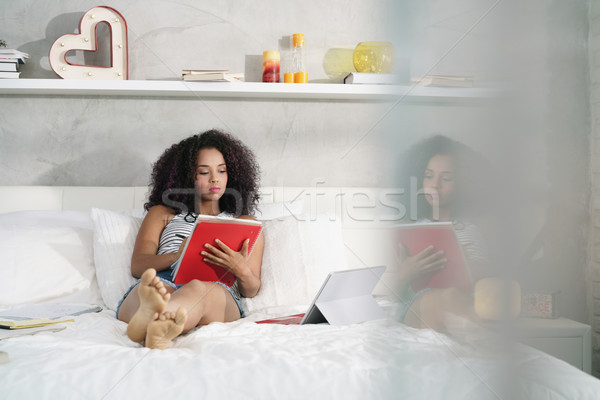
point(175, 287)
point(409, 303)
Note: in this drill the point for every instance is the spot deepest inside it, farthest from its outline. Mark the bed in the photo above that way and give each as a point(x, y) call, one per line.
point(72, 245)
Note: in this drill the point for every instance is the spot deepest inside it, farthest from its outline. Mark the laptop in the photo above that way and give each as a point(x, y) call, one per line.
point(344, 298)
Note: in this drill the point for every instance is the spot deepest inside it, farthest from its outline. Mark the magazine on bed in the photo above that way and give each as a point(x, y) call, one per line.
point(418, 236)
point(40, 315)
point(232, 232)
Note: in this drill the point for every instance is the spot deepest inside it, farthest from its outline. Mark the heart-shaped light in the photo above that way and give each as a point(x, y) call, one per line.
point(87, 40)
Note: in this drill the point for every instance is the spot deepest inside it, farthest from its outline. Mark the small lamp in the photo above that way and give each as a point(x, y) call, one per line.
point(497, 299)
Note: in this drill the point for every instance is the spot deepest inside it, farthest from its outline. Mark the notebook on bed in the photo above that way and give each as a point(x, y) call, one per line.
point(344, 298)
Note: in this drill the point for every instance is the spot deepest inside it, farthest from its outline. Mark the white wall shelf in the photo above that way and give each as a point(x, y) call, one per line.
point(257, 90)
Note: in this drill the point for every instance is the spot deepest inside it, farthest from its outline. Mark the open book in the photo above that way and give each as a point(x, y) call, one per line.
point(32, 323)
point(232, 232)
point(417, 237)
point(38, 315)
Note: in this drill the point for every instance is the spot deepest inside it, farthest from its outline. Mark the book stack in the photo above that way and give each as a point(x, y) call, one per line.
point(211, 75)
point(10, 60)
point(443, 81)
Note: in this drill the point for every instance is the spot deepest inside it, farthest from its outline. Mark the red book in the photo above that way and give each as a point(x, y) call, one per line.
point(417, 237)
point(287, 320)
point(232, 232)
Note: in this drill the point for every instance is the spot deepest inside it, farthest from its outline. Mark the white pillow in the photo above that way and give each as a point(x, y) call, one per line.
point(45, 263)
point(76, 219)
point(114, 238)
point(298, 255)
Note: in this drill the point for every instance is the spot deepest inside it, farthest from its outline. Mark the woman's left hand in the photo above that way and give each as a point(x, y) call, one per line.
point(224, 256)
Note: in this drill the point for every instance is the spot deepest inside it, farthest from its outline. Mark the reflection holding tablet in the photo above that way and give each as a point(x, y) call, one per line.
point(442, 256)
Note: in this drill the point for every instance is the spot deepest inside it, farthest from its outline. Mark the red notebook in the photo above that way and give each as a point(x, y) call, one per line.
point(232, 232)
point(417, 237)
point(287, 320)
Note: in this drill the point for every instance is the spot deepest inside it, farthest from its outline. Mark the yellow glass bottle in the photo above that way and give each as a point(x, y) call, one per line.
point(374, 57)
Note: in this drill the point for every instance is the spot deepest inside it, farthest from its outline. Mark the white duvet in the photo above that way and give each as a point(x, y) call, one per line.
point(93, 359)
point(85, 258)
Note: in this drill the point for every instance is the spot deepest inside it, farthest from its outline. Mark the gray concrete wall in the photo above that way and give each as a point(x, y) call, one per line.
point(113, 141)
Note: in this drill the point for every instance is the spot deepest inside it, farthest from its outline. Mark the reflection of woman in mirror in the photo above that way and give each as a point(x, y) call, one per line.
point(441, 171)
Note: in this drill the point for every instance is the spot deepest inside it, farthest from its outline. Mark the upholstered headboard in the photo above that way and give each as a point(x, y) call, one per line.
point(364, 213)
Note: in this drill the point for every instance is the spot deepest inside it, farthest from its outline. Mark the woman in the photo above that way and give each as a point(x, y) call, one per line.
point(209, 174)
point(443, 170)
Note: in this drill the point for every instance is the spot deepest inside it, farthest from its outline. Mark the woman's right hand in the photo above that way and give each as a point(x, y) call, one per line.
point(427, 260)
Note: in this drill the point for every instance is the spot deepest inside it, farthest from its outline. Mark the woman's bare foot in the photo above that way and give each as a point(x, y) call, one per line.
point(165, 328)
point(153, 300)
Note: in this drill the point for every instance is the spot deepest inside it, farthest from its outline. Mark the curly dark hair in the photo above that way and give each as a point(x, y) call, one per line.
point(471, 170)
point(173, 176)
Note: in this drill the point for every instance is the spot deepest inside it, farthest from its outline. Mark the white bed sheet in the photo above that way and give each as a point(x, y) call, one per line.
point(93, 359)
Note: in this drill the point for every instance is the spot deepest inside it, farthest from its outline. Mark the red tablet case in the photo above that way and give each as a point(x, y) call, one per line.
point(232, 232)
point(416, 237)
